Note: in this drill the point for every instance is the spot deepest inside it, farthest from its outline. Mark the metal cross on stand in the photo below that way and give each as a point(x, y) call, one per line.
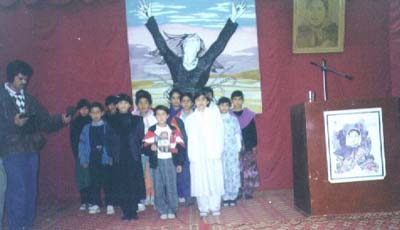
point(324, 68)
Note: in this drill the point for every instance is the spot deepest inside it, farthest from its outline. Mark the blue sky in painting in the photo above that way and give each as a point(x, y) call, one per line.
point(203, 13)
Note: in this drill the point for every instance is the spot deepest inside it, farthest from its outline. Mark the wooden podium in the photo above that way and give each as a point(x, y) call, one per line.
point(313, 193)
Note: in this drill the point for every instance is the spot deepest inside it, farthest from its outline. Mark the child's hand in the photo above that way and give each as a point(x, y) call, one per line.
point(153, 147)
point(85, 165)
point(179, 169)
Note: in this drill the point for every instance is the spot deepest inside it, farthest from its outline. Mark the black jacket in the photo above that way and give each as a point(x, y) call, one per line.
point(28, 138)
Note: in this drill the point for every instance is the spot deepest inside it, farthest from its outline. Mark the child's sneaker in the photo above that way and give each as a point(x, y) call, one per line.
point(83, 207)
point(141, 207)
point(110, 210)
point(189, 201)
point(232, 203)
point(171, 216)
point(225, 203)
point(181, 200)
point(164, 216)
point(147, 201)
point(94, 209)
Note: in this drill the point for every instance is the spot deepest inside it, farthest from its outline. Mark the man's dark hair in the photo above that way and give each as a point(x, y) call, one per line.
point(97, 105)
point(237, 93)
point(161, 107)
point(325, 2)
point(18, 67)
point(143, 94)
point(112, 99)
point(224, 100)
point(174, 90)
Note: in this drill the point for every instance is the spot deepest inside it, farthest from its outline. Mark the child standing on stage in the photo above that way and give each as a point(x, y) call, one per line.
point(183, 179)
point(230, 155)
point(129, 168)
point(248, 163)
point(98, 146)
point(205, 145)
point(164, 145)
point(81, 174)
point(143, 103)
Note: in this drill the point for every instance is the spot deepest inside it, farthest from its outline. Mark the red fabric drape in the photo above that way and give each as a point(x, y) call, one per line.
point(394, 44)
point(80, 50)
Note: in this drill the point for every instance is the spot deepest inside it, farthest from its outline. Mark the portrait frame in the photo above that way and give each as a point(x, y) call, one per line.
point(354, 143)
point(313, 33)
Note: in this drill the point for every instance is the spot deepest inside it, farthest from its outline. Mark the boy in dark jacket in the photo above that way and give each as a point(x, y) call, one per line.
point(129, 173)
point(81, 174)
point(164, 144)
point(98, 146)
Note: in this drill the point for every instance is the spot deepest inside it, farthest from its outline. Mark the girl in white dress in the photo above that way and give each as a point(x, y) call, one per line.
point(205, 133)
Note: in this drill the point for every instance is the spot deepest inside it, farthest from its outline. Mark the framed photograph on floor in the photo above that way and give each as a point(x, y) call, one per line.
point(318, 26)
point(354, 145)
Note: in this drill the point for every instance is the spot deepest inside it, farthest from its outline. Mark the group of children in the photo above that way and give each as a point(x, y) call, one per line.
point(196, 148)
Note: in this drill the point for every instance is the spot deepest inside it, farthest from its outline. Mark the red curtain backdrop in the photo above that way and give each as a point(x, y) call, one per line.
point(394, 44)
point(80, 50)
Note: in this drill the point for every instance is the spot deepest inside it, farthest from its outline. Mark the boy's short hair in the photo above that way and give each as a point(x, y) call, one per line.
point(82, 103)
point(112, 99)
point(224, 100)
point(237, 93)
point(174, 90)
point(18, 67)
point(161, 107)
point(124, 97)
point(143, 94)
point(97, 105)
point(189, 95)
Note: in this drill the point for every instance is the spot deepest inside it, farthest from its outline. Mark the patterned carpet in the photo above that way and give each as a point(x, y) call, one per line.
point(268, 210)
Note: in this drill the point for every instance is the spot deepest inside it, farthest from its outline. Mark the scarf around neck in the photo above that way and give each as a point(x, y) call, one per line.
point(245, 118)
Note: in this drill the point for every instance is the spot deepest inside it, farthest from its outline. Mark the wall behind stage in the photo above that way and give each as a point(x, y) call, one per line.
point(80, 50)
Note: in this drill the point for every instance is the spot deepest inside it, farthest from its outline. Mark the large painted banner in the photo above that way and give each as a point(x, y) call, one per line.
point(191, 44)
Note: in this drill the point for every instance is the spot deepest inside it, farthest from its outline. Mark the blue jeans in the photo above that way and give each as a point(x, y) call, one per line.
point(3, 186)
point(22, 175)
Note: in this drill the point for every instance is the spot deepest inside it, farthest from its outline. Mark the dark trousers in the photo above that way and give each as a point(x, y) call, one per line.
point(85, 195)
point(129, 184)
point(100, 178)
point(22, 175)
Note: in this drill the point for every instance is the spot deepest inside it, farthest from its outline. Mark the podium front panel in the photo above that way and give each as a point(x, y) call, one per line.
point(313, 193)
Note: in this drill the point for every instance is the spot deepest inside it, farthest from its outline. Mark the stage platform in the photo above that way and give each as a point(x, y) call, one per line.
point(271, 209)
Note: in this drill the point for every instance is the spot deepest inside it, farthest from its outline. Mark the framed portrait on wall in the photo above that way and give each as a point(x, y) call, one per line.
point(318, 26)
point(354, 145)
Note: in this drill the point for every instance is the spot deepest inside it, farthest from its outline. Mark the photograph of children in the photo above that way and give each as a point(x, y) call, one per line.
point(354, 144)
